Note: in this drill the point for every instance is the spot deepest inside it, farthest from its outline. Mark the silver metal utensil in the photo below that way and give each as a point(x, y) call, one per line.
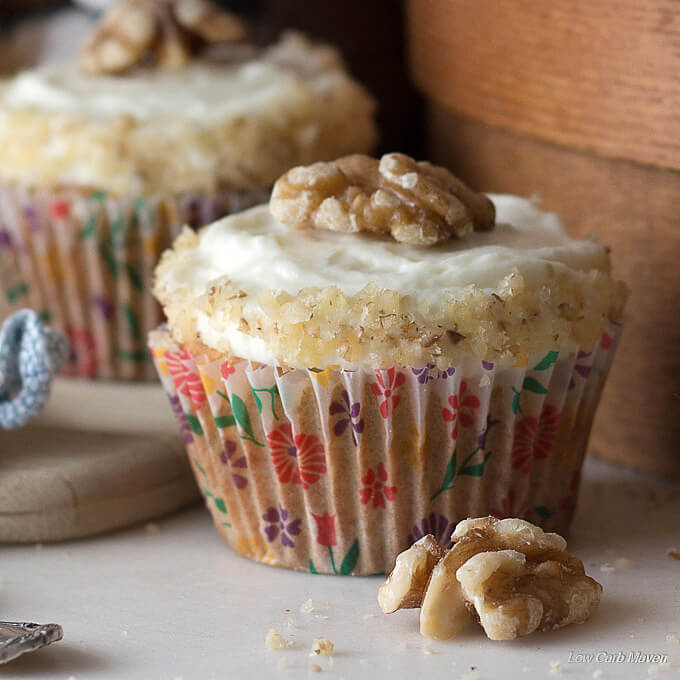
point(18, 638)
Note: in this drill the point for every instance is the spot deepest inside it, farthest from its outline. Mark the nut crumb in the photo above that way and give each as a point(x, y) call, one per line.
point(673, 639)
point(555, 667)
point(307, 607)
point(427, 649)
point(607, 568)
point(274, 640)
point(417, 203)
point(322, 647)
point(674, 553)
point(623, 563)
point(315, 668)
point(282, 664)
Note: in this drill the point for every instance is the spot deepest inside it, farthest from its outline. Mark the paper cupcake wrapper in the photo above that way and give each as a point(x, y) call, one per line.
point(338, 471)
point(84, 262)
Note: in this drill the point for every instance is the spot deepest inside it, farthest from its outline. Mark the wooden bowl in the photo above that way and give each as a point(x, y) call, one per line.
point(577, 102)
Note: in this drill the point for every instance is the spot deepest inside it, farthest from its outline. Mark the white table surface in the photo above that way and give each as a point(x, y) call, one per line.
point(171, 601)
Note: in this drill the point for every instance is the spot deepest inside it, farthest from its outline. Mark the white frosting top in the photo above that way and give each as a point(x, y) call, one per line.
point(256, 252)
point(202, 92)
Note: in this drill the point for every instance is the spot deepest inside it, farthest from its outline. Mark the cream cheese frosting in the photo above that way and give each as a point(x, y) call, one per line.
point(235, 125)
point(241, 272)
point(256, 252)
point(202, 92)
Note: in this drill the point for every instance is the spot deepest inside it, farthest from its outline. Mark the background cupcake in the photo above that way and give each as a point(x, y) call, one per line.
point(342, 394)
point(102, 162)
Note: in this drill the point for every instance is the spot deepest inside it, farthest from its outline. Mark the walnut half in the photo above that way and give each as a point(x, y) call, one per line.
point(508, 574)
point(165, 31)
point(415, 202)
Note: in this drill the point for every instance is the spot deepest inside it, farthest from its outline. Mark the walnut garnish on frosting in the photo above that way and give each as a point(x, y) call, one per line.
point(163, 32)
point(417, 203)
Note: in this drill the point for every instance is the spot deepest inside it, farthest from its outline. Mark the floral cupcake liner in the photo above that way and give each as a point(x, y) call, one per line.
point(338, 471)
point(84, 262)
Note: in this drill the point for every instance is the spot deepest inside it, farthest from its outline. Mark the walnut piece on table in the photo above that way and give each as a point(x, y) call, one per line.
point(508, 574)
point(417, 203)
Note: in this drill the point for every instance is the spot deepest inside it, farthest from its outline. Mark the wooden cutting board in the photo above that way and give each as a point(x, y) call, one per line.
point(57, 484)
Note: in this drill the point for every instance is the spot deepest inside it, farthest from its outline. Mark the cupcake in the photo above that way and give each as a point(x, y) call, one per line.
point(103, 160)
point(379, 353)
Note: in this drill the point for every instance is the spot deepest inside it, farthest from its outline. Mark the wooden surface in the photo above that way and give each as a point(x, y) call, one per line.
point(59, 484)
point(634, 209)
point(600, 76)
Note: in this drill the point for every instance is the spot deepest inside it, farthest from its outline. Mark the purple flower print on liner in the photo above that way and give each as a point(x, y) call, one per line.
point(279, 525)
point(431, 372)
point(351, 416)
point(488, 365)
point(182, 419)
point(103, 305)
point(32, 216)
point(240, 463)
point(490, 422)
point(5, 238)
point(581, 369)
point(435, 524)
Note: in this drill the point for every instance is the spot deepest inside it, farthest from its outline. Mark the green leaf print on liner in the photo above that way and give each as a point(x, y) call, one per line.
point(466, 468)
point(219, 502)
point(130, 317)
point(312, 568)
point(272, 391)
point(243, 419)
point(134, 355)
point(351, 559)
point(532, 385)
point(135, 277)
point(194, 424)
point(547, 361)
point(543, 513)
point(225, 421)
point(98, 195)
point(16, 292)
point(89, 229)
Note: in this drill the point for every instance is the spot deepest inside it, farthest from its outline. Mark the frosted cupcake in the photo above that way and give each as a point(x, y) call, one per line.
point(102, 161)
point(379, 353)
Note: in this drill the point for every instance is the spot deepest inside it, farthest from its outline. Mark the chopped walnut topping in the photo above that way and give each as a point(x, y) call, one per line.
point(166, 31)
point(507, 574)
point(322, 647)
point(405, 586)
point(415, 202)
point(274, 640)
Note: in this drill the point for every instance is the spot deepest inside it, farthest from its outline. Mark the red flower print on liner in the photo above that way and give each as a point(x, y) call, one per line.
point(297, 459)
point(325, 525)
point(83, 357)
point(59, 209)
point(387, 389)
point(375, 487)
point(606, 341)
point(186, 381)
point(227, 370)
point(534, 438)
point(462, 409)
point(510, 507)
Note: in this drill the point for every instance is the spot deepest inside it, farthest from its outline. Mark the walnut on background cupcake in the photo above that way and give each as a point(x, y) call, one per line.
point(379, 353)
point(167, 118)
